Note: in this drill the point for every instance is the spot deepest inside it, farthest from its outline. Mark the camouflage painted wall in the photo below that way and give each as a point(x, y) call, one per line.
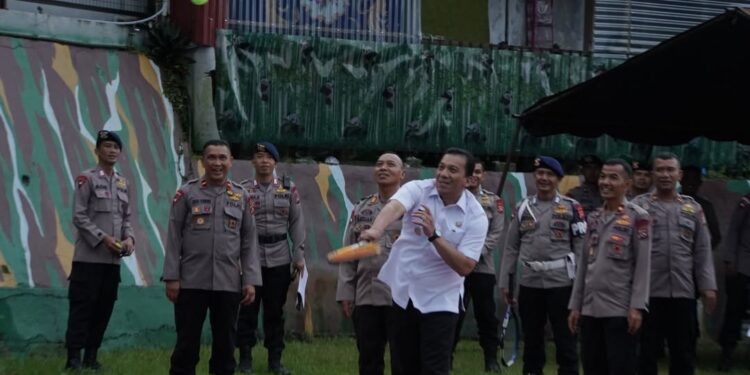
point(53, 100)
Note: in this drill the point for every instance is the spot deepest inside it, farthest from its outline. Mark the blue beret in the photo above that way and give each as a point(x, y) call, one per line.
point(106, 135)
point(549, 163)
point(269, 148)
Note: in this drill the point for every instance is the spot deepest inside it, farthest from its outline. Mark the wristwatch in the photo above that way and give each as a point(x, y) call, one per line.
point(435, 235)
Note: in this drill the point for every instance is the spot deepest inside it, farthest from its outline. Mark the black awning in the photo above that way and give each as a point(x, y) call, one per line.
point(696, 84)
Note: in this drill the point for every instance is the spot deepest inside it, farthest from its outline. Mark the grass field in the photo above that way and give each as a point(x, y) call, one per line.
point(323, 356)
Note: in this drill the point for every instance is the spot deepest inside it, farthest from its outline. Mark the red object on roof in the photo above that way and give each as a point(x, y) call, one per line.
point(200, 21)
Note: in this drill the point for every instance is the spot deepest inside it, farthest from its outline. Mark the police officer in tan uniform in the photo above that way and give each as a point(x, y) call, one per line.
point(278, 215)
point(479, 285)
point(363, 297)
point(681, 266)
point(642, 180)
point(210, 261)
point(587, 194)
point(610, 294)
point(545, 235)
point(101, 214)
point(737, 270)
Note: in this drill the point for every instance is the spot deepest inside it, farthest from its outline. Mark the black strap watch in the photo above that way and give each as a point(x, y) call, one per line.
point(434, 236)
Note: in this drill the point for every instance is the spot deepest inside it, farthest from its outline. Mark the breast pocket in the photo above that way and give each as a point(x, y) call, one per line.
point(103, 201)
point(559, 230)
point(618, 247)
point(687, 229)
point(454, 235)
point(123, 200)
point(201, 217)
point(281, 208)
point(232, 219)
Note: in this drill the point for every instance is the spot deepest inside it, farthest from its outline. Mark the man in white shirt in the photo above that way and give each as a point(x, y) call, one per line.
point(444, 228)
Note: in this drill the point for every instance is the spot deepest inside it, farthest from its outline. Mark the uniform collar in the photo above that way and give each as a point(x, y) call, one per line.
point(556, 199)
point(100, 172)
point(461, 203)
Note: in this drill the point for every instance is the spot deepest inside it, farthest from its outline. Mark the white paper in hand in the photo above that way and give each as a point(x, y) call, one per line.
point(301, 287)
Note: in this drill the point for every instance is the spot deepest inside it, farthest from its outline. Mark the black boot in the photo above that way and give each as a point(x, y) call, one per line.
point(274, 364)
point(246, 360)
point(74, 359)
point(89, 359)
point(491, 365)
point(725, 361)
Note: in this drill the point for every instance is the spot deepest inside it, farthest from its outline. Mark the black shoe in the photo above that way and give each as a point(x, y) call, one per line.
point(246, 360)
point(491, 365)
point(74, 360)
point(278, 368)
point(89, 360)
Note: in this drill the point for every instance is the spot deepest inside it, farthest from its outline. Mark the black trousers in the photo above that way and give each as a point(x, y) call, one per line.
point(92, 294)
point(479, 288)
point(422, 343)
point(738, 294)
point(189, 315)
point(373, 331)
point(536, 306)
point(673, 319)
point(272, 294)
point(607, 348)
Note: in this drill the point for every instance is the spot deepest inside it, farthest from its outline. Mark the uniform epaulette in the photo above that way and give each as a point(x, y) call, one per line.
point(568, 199)
point(366, 197)
point(193, 181)
point(688, 198)
point(638, 209)
point(246, 181)
point(236, 184)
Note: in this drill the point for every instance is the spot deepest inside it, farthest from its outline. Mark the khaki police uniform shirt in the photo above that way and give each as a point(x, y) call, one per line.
point(613, 272)
point(737, 247)
point(543, 231)
point(358, 280)
point(681, 251)
point(588, 196)
point(212, 239)
point(278, 211)
point(101, 207)
point(494, 208)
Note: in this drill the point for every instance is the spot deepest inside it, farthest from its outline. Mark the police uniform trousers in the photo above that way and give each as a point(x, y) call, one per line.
point(189, 314)
point(422, 342)
point(536, 306)
point(672, 319)
point(738, 301)
point(373, 331)
point(272, 295)
point(479, 288)
point(92, 294)
point(607, 348)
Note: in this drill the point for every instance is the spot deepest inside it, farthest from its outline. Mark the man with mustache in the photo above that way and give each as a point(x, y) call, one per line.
point(546, 235)
point(443, 233)
point(610, 293)
point(681, 267)
point(363, 297)
point(210, 261)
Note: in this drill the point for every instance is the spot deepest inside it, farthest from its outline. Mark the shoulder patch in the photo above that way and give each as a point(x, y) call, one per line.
point(641, 226)
point(295, 194)
point(177, 196)
point(500, 205)
point(81, 180)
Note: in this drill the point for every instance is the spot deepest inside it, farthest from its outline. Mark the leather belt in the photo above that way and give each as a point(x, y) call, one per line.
point(271, 238)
